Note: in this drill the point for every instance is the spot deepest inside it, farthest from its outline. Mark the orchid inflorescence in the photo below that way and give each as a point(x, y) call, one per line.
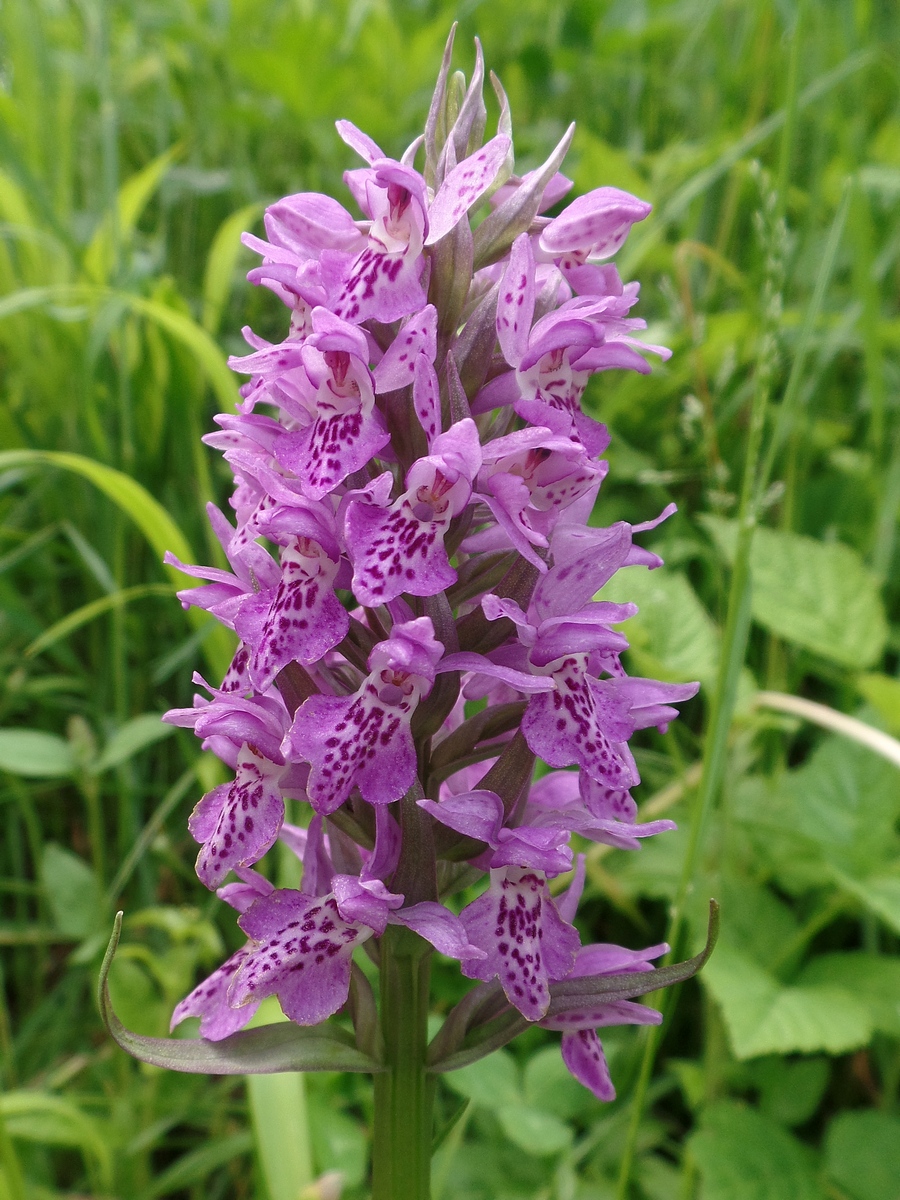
point(419, 624)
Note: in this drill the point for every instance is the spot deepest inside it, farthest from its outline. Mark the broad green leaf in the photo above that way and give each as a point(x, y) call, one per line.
point(134, 736)
point(118, 227)
point(764, 1017)
point(221, 262)
point(672, 637)
point(35, 754)
point(73, 892)
point(744, 1156)
point(490, 1082)
point(150, 517)
point(196, 1165)
point(862, 1155)
point(536, 1132)
point(790, 1092)
point(840, 808)
point(883, 693)
point(879, 893)
point(873, 978)
point(818, 595)
point(263, 1051)
point(551, 1088)
point(54, 1121)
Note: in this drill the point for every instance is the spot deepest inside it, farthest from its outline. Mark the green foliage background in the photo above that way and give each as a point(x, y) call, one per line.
point(136, 141)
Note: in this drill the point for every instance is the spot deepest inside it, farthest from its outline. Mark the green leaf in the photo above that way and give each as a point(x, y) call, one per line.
point(862, 1155)
point(790, 1092)
point(73, 892)
point(550, 1087)
point(873, 978)
point(764, 1017)
point(281, 1133)
point(198, 1164)
point(537, 1133)
point(272, 1048)
point(339, 1142)
point(134, 736)
point(840, 808)
point(883, 693)
point(147, 513)
point(221, 262)
point(54, 1121)
point(35, 754)
point(818, 595)
point(672, 637)
point(879, 893)
point(744, 1156)
point(490, 1082)
point(134, 195)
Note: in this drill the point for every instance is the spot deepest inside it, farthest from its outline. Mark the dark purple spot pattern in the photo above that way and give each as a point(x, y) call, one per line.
point(526, 942)
point(356, 741)
point(580, 722)
point(305, 619)
point(395, 550)
point(301, 955)
point(209, 1002)
point(238, 822)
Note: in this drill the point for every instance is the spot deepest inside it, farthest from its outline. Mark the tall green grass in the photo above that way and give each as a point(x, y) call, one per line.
point(136, 141)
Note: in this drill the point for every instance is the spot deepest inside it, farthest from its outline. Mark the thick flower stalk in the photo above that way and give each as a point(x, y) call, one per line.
point(414, 471)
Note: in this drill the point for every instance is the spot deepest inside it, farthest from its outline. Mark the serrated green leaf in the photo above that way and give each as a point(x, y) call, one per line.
point(536, 1132)
point(818, 595)
point(764, 1017)
point(862, 1155)
point(790, 1092)
point(135, 735)
point(73, 892)
point(490, 1082)
point(874, 978)
point(744, 1156)
point(35, 754)
point(550, 1087)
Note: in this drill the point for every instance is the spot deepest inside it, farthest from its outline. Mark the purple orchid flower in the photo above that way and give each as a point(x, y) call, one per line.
point(398, 546)
point(364, 740)
point(527, 943)
point(582, 1050)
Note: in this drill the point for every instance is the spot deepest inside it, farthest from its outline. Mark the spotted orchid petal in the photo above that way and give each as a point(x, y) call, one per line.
point(581, 721)
point(364, 740)
point(515, 303)
point(209, 1002)
point(304, 619)
point(526, 942)
point(301, 953)
point(398, 546)
point(397, 368)
point(597, 223)
point(464, 186)
point(238, 822)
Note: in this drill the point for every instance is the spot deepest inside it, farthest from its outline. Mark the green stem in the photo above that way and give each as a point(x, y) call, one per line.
point(401, 1152)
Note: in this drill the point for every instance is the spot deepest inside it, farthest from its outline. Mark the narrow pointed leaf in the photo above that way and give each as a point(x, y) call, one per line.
point(262, 1051)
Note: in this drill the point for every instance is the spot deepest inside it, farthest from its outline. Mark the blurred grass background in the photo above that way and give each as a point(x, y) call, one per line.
point(136, 141)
